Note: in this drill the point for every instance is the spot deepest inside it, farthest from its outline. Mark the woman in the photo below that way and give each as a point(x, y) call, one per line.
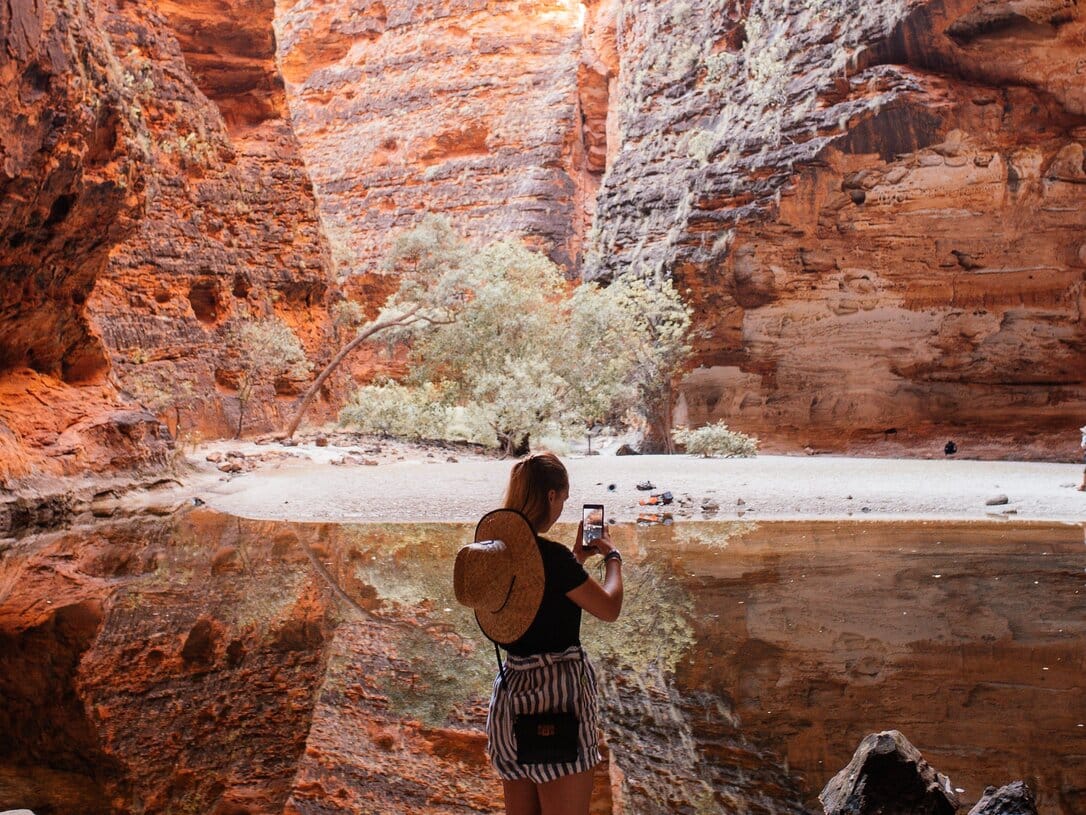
point(528, 593)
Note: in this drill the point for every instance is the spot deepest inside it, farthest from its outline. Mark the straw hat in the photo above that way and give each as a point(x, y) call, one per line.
point(500, 575)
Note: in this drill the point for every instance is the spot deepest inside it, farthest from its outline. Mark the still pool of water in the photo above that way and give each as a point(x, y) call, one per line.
point(208, 664)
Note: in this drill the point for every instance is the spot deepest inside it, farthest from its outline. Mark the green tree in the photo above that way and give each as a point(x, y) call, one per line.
point(655, 327)
point(268, 350)
point(428, 261)
point(499, 354)
point(599, 367)
point(503, 337)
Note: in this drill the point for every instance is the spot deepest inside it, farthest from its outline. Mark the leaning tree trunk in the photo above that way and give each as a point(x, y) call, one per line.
point(514, 446)
point(403, 319)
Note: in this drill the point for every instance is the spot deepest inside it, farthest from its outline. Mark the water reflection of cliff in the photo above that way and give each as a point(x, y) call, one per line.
point(207, 664)
point(967, 638)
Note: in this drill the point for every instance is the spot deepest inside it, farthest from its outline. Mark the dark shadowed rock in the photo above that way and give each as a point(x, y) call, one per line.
point(1013, 799)
point(888, 776)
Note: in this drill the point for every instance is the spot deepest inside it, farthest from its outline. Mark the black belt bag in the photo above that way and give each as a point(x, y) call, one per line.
point(546, 738)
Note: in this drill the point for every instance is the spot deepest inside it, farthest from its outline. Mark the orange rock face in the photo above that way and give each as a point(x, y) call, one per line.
point(83, 430)
point(485, 113)
point(877, 212)
point(231, 232)
point(154, 198)
point(70, 189)
point(225, 660)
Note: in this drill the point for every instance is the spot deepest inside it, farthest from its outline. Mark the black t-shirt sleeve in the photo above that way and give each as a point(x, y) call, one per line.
point(567, 573)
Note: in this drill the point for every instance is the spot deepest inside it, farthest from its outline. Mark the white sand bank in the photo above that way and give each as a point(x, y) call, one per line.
point(417, 488)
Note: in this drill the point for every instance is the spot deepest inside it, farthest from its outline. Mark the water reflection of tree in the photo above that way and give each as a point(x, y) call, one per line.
point(442, 663)
point(446, 664)
point(712, 534)
point(654, 627)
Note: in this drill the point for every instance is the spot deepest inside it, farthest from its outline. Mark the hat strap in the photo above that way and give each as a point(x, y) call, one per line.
point(501, 669)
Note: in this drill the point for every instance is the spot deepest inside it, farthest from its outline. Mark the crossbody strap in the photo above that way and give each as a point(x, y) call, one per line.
point(501, 668)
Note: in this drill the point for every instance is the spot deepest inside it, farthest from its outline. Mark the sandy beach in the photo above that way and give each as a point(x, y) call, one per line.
point(402, 483)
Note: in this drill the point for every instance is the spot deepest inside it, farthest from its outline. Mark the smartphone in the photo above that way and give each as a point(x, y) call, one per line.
point(593, 525)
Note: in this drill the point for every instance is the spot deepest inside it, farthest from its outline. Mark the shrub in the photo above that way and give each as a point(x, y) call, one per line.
point(390, 409)
point(716, 440)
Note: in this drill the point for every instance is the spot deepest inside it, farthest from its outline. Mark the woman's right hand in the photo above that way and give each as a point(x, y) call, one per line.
point(601, 546)
point(603, 543)
point(603, 601)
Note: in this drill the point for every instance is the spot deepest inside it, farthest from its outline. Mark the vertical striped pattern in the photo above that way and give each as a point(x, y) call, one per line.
point(563, 682)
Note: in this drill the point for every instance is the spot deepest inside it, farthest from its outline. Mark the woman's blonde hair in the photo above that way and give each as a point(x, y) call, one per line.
point(530, 482)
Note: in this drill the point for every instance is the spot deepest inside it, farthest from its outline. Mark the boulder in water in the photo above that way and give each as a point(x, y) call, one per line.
point(1014, 799)
point(888, 776)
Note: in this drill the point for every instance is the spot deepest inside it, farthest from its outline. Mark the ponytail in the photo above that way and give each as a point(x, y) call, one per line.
point(530, 483)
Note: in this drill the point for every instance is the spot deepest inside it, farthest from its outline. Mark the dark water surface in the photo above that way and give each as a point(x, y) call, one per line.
point(209, 664)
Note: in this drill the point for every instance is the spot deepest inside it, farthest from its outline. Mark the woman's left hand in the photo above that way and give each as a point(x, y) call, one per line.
point(579, 551)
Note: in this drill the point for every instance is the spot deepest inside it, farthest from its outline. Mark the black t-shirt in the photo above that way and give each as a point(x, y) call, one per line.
point(557, 624)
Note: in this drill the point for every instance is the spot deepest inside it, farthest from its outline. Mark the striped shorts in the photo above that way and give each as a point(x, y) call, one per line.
point(543, 683)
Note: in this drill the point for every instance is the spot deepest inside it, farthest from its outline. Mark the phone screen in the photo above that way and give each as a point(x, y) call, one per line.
point(593, 524)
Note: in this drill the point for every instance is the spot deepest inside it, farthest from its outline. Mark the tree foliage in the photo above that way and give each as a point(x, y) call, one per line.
point(268, 350)
point(498, 357)
point(428, 261)
point(392, 409)
point(656, 324)
point(500, 334)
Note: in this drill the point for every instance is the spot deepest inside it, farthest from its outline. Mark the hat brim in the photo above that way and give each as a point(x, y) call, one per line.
point(511, 621)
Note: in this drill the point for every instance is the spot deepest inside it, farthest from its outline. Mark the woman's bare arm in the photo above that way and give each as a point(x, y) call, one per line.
point(603, 601)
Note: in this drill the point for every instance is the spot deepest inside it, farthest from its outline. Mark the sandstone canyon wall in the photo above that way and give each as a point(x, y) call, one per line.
point(878, 210)
point(230, 231)
point(71, 188)
point(154, 198)
point(466, 108)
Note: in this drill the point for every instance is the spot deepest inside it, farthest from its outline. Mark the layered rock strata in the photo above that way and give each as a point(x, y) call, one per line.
point(492, 114)
point(71, 188)
point(230, 234)
point(154, 199)
point(877, 210)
